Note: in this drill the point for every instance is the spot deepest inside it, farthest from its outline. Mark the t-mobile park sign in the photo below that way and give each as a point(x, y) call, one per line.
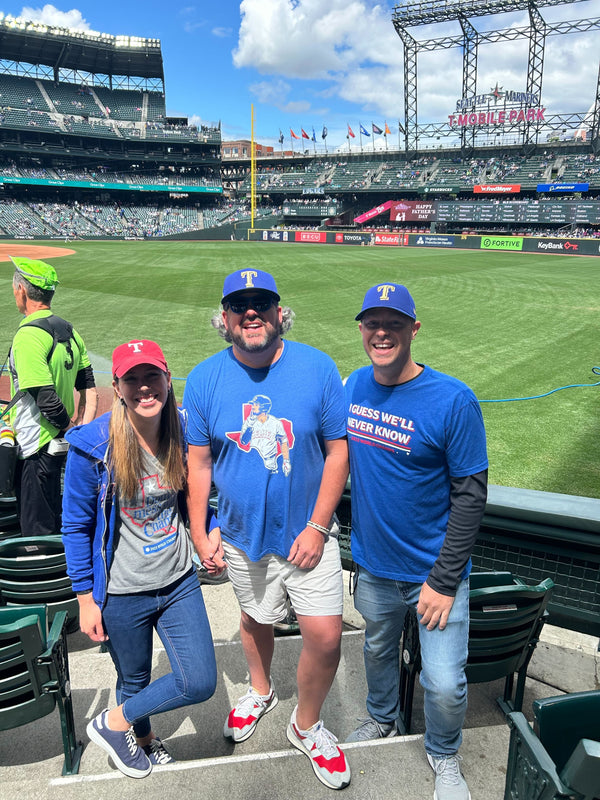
point(470, 112)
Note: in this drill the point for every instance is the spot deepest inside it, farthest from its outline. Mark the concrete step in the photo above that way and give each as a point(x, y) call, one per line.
point(264, 766)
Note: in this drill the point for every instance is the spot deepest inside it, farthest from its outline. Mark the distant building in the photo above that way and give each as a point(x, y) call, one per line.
point(241, 149)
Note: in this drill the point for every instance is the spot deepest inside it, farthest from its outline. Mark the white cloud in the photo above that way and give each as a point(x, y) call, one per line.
point(222, 33)
point(191, 27)
point(351, 47)
point(50, 15)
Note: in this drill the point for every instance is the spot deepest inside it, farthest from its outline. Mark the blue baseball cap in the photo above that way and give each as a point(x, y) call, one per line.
point(249, 279)
point(389, 295)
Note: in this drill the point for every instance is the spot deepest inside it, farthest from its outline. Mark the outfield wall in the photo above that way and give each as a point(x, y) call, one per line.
point(524, 244)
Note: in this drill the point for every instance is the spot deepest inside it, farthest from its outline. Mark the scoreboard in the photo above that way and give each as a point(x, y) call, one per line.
point(561, 212)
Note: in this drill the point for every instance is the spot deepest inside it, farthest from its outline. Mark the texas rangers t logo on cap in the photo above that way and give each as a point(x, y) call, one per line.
point(393, 296)
point(249, 279)
point(385, 290)
point(248, 274)
point(135, 346)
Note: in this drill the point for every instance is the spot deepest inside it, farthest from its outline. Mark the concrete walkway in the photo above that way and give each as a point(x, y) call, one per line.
point(265, 766)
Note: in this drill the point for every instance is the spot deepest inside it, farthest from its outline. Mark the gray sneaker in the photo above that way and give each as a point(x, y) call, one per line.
point(369, 728)
point(449, 782)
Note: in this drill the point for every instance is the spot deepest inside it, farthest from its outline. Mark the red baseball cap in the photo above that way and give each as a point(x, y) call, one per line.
point(138, 351)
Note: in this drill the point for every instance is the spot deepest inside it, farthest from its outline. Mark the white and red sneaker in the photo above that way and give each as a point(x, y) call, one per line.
point(243, 717)
point(328, 761)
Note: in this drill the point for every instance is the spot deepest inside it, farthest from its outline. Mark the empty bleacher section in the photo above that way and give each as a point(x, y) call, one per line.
point(121, 104)
point(69, 99)
point(21, 92)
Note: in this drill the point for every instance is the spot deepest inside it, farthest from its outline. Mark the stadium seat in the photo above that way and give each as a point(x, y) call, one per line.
point(506, 618)
point(9, 522)
point(33, 570)
point(560, 757)
point(34, 674)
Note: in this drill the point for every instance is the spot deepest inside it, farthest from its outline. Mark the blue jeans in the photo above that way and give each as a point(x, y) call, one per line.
point(383, 603)
point(178, 614)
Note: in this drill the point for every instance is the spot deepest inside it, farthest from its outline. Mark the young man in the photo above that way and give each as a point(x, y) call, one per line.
point(267, 416)
point(419, 483)
point(47, 361)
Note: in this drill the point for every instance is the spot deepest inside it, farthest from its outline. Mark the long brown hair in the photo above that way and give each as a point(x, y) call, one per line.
point(125, 453)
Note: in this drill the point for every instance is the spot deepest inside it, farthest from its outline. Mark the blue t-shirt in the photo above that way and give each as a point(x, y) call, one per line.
point(405, 443)
point(254, 421)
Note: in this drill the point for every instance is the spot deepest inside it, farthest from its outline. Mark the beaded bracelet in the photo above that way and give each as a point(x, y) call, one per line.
point(317, 527)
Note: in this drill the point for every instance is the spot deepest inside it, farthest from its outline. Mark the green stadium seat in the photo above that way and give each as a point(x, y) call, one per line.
point(560, 756)
point(34, 674)
point(506, 618)
point(33, 570)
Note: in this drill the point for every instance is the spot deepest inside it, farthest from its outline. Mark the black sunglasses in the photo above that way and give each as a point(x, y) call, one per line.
point(259, 304)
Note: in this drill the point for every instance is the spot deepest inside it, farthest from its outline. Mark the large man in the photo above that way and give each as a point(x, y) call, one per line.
point(419, 483)
point(279, 478)
point(47, 361)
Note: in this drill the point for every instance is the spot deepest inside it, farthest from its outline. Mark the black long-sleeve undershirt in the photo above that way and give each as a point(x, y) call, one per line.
point(467, 504)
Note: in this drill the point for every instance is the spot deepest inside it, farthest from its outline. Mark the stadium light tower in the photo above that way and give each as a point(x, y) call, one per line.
point(429, 12)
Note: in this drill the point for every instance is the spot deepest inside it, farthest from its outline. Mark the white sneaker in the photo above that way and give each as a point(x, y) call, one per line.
point(243, 717)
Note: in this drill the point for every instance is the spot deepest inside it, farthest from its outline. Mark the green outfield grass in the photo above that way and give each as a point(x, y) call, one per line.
point(509, 324)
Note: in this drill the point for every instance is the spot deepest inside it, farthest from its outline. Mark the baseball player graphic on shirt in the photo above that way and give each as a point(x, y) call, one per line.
point(266, 434)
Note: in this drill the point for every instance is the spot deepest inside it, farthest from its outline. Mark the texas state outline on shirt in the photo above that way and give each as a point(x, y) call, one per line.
point(264, 433)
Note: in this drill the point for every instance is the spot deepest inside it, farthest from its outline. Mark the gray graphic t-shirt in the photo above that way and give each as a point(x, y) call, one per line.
point(152, 546)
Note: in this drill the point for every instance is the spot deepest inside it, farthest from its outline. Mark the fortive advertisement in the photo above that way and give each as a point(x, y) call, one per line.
point(501, 242)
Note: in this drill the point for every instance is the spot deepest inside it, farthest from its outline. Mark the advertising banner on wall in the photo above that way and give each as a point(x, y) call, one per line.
point(433, 240)
point(310, 236)
point(497, 188)
point(501, 243)
point(387, 238)
point(352, 238)
point(373, 212)
point(565, 247)
point(275, 236)
point(412, 211)
point(562, 187)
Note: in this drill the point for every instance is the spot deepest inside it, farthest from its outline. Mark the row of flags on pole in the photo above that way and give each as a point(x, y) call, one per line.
point(375, 130)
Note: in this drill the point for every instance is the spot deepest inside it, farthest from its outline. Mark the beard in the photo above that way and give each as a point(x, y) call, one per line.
point(258, 343)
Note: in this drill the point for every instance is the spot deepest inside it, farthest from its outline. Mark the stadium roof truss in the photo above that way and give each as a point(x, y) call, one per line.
point(430, 12)
point(36, 50)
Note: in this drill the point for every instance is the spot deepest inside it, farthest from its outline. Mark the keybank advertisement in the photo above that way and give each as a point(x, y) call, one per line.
point(434, 241)
point(501, 243)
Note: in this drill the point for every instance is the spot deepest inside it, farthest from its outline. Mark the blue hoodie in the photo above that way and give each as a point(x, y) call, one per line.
point(90, 515)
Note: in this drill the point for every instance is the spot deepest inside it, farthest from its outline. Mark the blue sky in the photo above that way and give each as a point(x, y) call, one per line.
point(310, 63)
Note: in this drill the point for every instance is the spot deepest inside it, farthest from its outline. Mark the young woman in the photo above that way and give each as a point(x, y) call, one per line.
point(130, 559)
